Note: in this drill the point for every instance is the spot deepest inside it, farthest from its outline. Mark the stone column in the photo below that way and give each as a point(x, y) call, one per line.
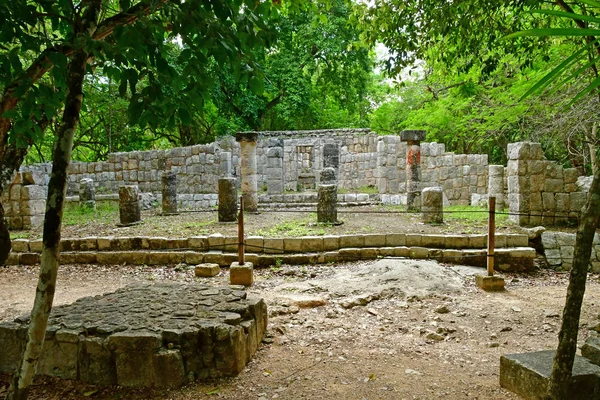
point(328, 176)
point(413, 140)
point(87, 194)
point(432, 199)
point(228, 200)
point(331, 155)
point(496, 184)
point(129, 205)
point(247, 142)
point(275, 170)
point(327, 197)
point(169, 193)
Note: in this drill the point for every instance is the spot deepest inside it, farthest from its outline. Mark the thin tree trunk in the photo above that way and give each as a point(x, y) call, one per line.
point(558, 388)
point(57, 186)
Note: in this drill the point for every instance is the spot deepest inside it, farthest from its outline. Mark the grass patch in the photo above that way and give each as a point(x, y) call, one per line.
point(472, 214)
point(19, 235)
point(105, 211)
point(293, 228)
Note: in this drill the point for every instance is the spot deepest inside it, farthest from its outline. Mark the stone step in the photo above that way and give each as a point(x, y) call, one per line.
point(511, 259)
point(591, 349)
point(527, 375)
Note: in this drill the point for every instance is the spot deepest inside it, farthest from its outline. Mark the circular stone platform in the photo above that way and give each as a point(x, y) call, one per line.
point(161, 335)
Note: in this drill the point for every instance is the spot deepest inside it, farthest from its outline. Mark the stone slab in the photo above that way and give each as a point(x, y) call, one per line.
point(490, 283)
point(591, 349)
point(207, 270)
point(527, 375)
point(146, 335)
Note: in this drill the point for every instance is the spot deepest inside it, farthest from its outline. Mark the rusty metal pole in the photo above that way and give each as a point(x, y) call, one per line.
point(241, 232)
point(491, 235)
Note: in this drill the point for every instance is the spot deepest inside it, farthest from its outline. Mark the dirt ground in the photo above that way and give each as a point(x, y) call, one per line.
point(411, 330)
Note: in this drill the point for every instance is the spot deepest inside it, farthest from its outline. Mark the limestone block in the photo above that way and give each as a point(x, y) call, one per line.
point(176, 243)
point(164, 257)
point(134, 357)
point(59, 357)
point(35, 245)
point(554, 185)
point(193, 257)
point(374, 240)
point(456, 242)
point(347, 241)
point(31, 192)
point(20, 245)
point(518, 151)
point(29, 258)
point(500, 240)
point(577, 200)
point(418, 252)
point(413, 239)
point(312, 244)
point(216, 241)
point(33, 207)
point(517, 240)
point(207, 270)
point(241, 274)
point(292, 245)
point(490, 283)
point(254, 244)
point(385, 252)
point(95, 362)
point(478, 241)
point(548, 201)
point(83, 257)
point(537, 183)
point(527, 375)
point(433, 241)
point(570, 175)
point(349, 254)
point(368, 253)
point(331, 242)
point(553, 257)
point(198, 243)
point(31, 221)
point(273, 245)
point(565, 239)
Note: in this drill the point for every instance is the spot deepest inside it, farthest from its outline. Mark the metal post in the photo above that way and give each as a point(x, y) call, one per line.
point(241, 232)
point(491, 235)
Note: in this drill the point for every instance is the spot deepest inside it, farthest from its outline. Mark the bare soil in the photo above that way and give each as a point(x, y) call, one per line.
point(382, 349)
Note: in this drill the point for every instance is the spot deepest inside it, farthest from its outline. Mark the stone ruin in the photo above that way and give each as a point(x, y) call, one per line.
point(279, 164)
point(144, 335)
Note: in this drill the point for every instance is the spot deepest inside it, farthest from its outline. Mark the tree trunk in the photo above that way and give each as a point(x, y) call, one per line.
point(558, 388)
point(57, 186)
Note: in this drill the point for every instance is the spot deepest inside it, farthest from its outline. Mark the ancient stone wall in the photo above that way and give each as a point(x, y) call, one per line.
point(560, 246)
point(541, 191)
point(24, 200)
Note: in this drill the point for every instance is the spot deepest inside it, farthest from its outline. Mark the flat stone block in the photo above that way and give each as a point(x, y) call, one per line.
point(20, 245)
point(273, 245)
point(348, 241)
point(418, 252)
point(413, 239)
point(375, 240)
point(478, 241)
point(241, 274)
point(176, 243)
point(292, 245)
point(457, 242)
point(395, 239)
point(207, 270)
point(591, 349)
point(216, 241)
point(527, 375)
point(198, 243)
point(349, 254)
point(401, 251)
point(192, 257)
point(311, 244)
point(368, 253)
point(490, 283)
point(433, 241)
point(36, 245)
point(331, 242)
point(386, 252)
point(255, 244)
point(30, 258)
point(517, 240)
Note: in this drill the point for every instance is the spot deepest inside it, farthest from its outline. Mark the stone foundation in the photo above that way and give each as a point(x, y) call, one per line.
point(161, 335)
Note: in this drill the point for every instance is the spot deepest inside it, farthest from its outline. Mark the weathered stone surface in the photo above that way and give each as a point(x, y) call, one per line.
point(527, 375)
point(413, 135)
point(432, 205)
point(328, 176)
point(169, 192)
point(228, 200)
point(591, 349)
point(490, 283)
point(146, 335)
point(87, 193)
point(129, 205)
point(241, 274)
point(207, 270)
point(327, 204)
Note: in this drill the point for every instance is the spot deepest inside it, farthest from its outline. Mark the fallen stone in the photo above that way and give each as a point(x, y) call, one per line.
point(591, 349)
point(207, 270)
point(241, 274)
point(442, 309)
point(527, 375)
point(304, 301)
point(434, 336)
point(361, 300)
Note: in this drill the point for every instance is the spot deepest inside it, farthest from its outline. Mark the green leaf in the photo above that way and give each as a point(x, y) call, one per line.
point(590, 3)
point(184, 116)
point(564, 14)
point(549, 78)
point(256, 85)
point(592, 86)
point(540, 32)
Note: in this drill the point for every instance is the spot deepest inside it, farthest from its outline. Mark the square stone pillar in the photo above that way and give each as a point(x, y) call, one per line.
point(249, 171)
point(413, 139)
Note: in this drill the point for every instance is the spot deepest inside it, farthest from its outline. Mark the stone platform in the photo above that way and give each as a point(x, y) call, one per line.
point(161, 335)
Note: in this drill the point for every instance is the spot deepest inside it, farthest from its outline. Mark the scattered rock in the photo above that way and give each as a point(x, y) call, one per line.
point(409, 371)
point(493, 344)
point(516, 309)
point(506, 329)
point(361, 300)
point(434, 336)
point(551, 314)
point(595, 327)
point(443, 309)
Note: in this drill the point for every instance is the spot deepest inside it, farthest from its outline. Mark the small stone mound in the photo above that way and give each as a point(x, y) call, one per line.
point(143, 335)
